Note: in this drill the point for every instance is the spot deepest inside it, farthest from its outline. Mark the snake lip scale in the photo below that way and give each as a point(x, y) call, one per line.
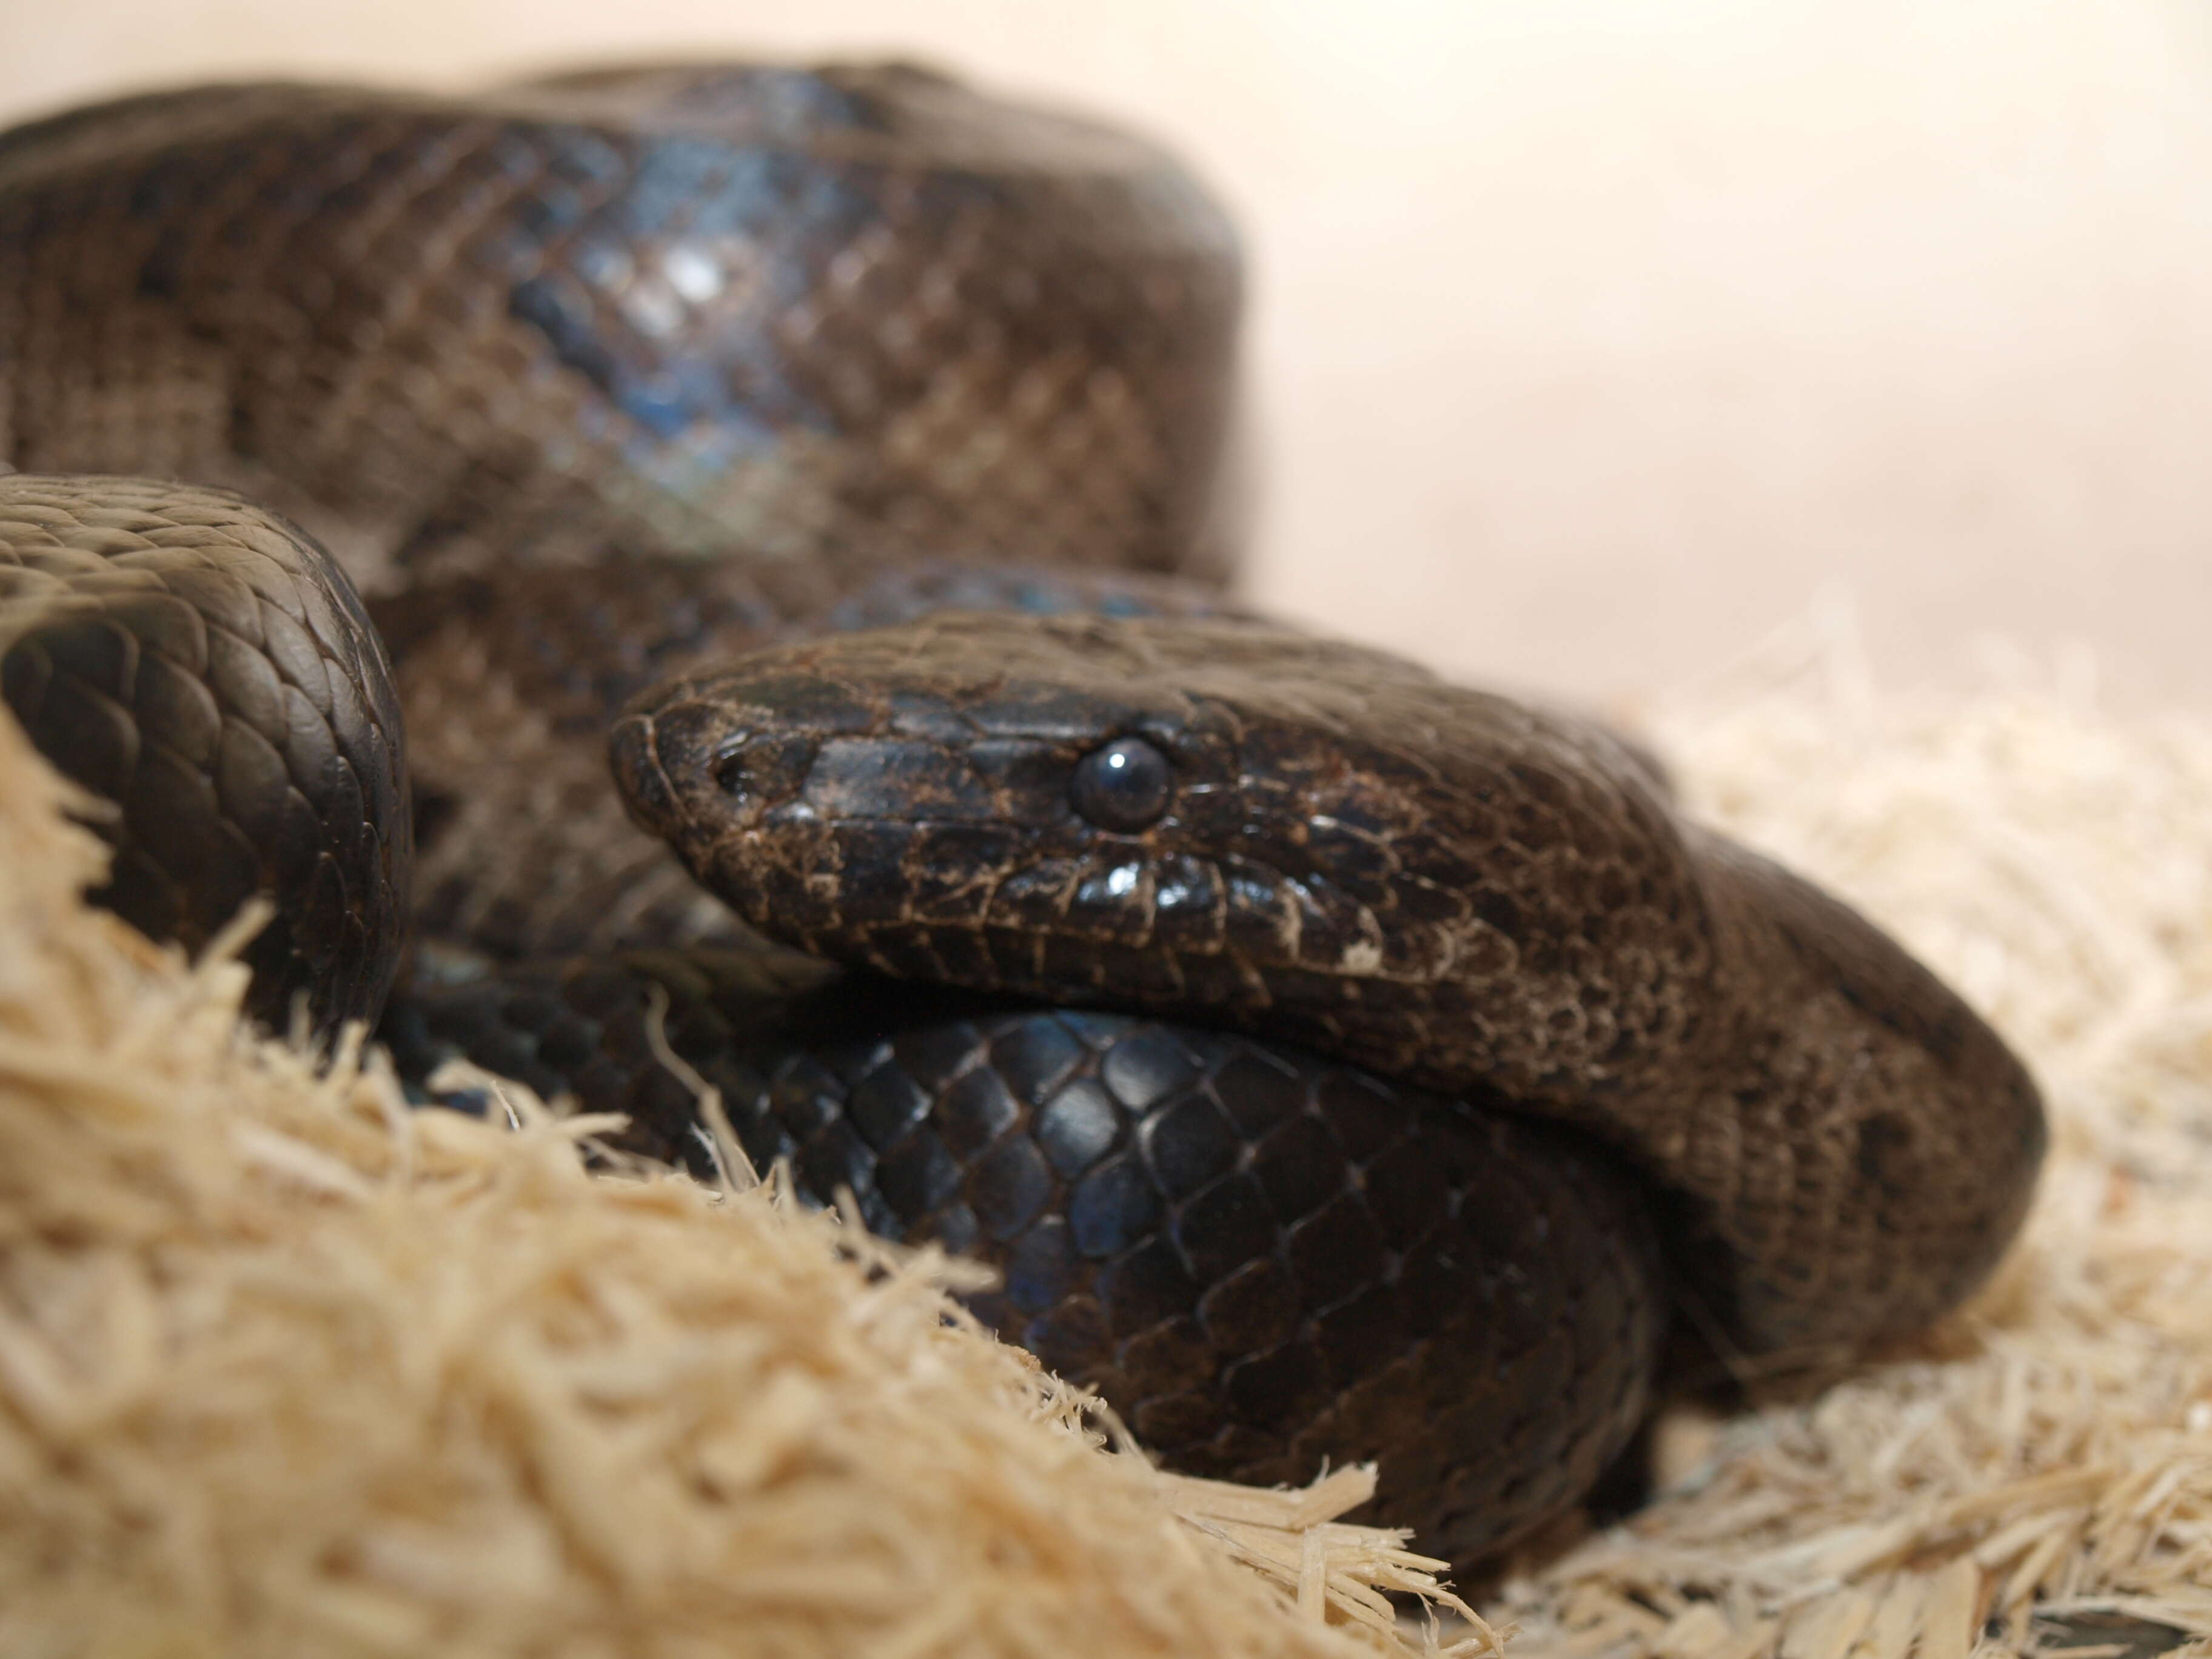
point(1335, 1062)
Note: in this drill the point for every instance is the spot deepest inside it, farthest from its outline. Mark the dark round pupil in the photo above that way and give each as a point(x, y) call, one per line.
point(1124, 785)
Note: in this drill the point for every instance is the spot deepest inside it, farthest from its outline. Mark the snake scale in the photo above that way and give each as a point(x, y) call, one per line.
point(1338, 1063)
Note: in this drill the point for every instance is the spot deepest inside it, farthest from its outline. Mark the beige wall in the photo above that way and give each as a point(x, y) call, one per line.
point(1593, 336)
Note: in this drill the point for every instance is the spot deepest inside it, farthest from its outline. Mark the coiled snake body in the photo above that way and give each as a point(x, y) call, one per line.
point(1435, 1023)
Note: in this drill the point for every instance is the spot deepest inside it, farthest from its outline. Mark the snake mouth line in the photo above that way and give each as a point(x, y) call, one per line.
point(995, 956)
point(634, 747)
point(1357, 962)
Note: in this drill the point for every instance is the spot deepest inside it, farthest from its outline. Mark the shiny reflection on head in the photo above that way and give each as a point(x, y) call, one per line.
point(1124, 786)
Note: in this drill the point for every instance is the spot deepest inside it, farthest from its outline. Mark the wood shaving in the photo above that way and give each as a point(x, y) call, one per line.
point(2036, 1475)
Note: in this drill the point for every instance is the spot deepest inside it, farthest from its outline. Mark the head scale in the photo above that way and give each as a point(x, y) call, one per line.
point(1235, 822)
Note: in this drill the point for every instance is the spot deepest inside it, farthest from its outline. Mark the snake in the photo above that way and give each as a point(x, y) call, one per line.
point(708, 575)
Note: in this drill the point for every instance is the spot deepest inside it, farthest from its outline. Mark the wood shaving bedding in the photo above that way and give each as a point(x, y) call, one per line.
point(2036, 1475)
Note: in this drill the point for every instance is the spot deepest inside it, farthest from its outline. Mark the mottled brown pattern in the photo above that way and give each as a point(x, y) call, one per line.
point(1444, 886)
point(778, 311)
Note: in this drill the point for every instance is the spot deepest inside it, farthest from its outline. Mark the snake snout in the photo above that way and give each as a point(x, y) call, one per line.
point(690, 771)
point(633, 751)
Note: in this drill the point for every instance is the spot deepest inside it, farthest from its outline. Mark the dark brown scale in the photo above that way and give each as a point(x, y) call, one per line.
point(196, 663)
point(1264, 1261)
point(707, 309)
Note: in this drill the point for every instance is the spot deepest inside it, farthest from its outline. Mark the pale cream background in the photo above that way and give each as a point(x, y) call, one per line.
point(1591, 337)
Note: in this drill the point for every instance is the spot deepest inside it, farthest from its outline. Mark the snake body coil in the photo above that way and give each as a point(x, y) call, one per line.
point(701, 310)
point(1338, 1064)
point(197, 666)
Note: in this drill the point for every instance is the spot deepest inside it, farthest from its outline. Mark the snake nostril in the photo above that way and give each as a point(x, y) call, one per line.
point(751, 770)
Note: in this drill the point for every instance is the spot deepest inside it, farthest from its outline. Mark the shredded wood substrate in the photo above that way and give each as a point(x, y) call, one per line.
point(286, 1368)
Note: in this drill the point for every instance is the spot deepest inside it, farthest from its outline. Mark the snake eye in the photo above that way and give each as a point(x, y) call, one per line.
point(1124, 786)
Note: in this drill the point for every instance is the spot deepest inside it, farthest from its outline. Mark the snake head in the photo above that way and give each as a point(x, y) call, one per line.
point(1293, 834)
point(1323, 845)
